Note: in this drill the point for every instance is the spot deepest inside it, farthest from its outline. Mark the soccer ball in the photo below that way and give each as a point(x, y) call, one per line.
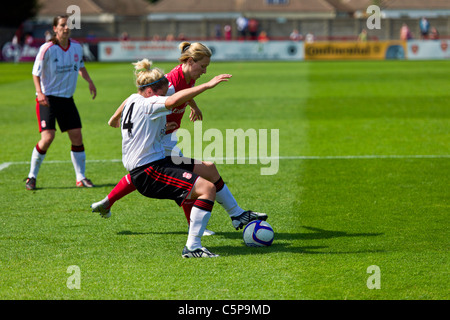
point(258, 233)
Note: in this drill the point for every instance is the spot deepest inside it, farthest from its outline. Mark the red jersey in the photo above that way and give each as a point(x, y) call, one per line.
point(177, 82)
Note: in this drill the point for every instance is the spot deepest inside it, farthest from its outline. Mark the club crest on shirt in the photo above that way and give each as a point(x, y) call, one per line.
point(187, 175)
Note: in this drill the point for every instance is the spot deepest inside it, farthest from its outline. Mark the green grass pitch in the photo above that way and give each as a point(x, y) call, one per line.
point(363, 181)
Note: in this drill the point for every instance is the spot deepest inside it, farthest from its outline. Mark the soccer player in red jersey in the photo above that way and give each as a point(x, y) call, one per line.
point(194, 59)
point(156, 175)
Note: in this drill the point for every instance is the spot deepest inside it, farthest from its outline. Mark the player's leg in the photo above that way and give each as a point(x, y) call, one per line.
point(187, 208)
point(164, 180)
point(224, 196)
point(38, 156)
point(69, 120)
point(46, 123)
point(124, 187)
point(177, 157)
point(239, 217)
point(47, 137)
point(204, 194)
point(78, 156)
point(170, 145)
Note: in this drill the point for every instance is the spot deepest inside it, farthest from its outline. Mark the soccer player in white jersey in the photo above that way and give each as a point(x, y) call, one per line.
point(194, 59)
point(55, 74)
point(152, 173)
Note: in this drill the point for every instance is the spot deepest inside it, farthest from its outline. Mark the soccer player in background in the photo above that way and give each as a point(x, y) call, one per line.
point(55, 74)
point(195, 58)
point(156, 175)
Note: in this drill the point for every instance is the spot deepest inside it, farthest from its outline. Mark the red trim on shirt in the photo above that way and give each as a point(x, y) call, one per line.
point(65, 50)
point(47, 46)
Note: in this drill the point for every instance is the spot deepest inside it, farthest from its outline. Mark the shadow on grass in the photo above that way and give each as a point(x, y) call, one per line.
point(282, 242)
point(75, 187)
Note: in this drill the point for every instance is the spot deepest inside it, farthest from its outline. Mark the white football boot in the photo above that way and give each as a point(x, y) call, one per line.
point(102, 207)
point(198, 253)
point(245, 217)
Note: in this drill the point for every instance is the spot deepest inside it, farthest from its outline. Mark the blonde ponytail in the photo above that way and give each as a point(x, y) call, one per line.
point(196, 51)
point(148, 76)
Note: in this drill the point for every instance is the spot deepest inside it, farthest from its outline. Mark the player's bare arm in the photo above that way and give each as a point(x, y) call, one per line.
point(83, 72)
point(42, 98)
point(196, 113)
point(114, 121)
point(183, 96)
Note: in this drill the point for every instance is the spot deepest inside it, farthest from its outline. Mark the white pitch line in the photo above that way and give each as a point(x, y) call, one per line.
point(412, 156)
point(5, 165)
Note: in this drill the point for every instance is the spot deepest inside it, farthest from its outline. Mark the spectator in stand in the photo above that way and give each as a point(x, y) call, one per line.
point(295, 35)
point(424, 28)
point(434, 34)
point(227, 31)
point(405, 33)
point(242, 25)
point(218, 31)
point(263, 37)
point(253, 26)
point(124, 36)
point(309, 37)
point(362, 37)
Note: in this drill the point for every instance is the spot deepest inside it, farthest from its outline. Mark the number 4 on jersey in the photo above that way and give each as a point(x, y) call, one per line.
point(127, 124)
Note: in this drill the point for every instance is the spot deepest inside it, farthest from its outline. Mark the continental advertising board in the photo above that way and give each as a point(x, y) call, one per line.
point(371, 50)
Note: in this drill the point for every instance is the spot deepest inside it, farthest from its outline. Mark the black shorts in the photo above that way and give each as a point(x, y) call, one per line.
point(163, 179)
point(61, 109)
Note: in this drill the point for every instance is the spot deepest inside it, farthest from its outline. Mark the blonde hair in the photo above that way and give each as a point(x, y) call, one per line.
point(148, 76)
point(196, 51)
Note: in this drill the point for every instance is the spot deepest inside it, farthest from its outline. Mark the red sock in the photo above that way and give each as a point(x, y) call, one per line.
point(187, 207)
point(124, 187)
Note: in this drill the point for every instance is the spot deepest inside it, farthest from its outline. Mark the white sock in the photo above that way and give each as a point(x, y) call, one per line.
point(36, 161)
point(228, 202)
point(199, 220)
point(79, 163)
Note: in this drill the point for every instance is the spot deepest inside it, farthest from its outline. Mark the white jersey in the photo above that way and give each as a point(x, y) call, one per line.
point(58, 68)
point(143, 126)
